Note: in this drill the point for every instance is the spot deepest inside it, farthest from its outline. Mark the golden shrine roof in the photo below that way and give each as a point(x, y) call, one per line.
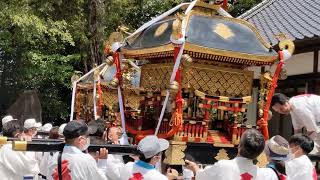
point(208, 36)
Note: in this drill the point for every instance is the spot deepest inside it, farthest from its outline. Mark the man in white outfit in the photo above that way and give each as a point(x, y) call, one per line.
point(305, 113)
point(15, 164)
point(75, 164)
point(115, 162)
point(240, 168)
point(300, 167)
point(150, 148)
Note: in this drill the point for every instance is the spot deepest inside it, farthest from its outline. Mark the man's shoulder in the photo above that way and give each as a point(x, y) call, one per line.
point(154, 173)
point(266, 173)
point(226, 163)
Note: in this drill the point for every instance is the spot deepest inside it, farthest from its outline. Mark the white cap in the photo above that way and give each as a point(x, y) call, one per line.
point(7, 119)
point(31, 123)
point(152, 145)
point(47, 127)
point(61, 128)
point(277, 148)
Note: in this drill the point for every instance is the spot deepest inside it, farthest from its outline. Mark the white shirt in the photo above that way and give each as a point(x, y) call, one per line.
point(141, 169)
point(114, 166)
point(238, 168)
point(82, 166)
point(300, 169)
point(16, 164)
point(305, 112)
point(44, 163)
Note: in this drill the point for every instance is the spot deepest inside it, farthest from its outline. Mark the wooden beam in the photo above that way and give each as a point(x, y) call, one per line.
point(315, 61)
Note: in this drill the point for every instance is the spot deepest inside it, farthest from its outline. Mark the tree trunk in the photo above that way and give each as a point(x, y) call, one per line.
point(95, 30)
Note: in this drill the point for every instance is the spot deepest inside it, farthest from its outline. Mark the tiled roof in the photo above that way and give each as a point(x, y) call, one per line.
point(297, 19)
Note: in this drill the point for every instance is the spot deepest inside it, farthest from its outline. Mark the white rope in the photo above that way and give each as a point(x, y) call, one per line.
point(94, 98)
point(176, 65)
point(158, 18)
point(224, 13)
point(75, 87)
point(124, 137)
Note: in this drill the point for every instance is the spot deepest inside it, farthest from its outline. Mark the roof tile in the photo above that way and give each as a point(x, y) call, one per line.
point(298, 19)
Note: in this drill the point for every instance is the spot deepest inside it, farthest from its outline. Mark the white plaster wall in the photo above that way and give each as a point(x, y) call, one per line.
point(297, 64)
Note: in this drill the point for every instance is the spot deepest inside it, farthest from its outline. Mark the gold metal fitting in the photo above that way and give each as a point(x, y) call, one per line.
point(3, 140)
point(267, 75)
point(109, 61)
point(174, 86)
point(283, 74)
point(19, 145)
point(186, 59)
point(114, 82)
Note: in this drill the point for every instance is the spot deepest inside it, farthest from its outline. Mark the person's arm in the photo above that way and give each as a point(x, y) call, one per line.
point(102, 161)
point(18, 162)
point(192, 166)
point(114, 167)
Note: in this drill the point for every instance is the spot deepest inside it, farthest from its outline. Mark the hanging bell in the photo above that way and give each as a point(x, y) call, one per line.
point(114, 82)
point(260, 113)
point(109, 61)
point(174, 86)
point(283, 74)
point(186, 59)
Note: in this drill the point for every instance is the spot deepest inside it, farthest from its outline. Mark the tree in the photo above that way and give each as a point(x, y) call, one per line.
point(241, 6)
point(34, 54)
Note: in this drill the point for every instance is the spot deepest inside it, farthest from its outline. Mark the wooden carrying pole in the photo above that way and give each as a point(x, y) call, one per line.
point(42, 146)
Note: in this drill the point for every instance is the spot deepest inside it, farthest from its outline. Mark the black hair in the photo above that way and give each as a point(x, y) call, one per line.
point(251, 144)
point(54, 133)
point(305, 143)
point(75, 129)
point(97, 140)
point(99, 125)
point(11, 128)
point(279, 98)
point(143, 158)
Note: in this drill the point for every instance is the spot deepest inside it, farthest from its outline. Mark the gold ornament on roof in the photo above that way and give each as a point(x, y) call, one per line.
point(223, 30)
point(115, 37)
point(285, 42)
point(161, 29)
point(176, 27)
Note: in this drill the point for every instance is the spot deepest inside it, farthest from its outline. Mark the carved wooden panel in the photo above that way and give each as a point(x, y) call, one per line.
point(213, 80)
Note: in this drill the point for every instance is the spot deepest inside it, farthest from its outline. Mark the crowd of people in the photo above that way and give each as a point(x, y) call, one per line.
point(287, 159)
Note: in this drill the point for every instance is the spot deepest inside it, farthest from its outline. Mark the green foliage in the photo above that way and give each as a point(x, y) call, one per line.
point(35, 56)
point(242, 6)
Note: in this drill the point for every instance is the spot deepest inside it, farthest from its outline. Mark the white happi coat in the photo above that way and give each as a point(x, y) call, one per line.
point(140, 170)
point(238, 168)
point(82, 166)
point(300, 168)
point(114, 165)
point(14, 165)
point(306, 113)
